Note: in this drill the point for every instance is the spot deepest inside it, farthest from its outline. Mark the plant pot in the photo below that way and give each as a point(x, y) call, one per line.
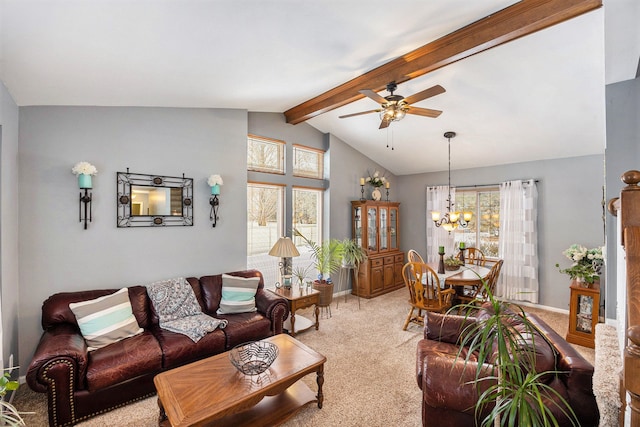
point(326, 292)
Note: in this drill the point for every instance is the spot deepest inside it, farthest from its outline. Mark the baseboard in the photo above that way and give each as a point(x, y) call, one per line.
point(540, 306)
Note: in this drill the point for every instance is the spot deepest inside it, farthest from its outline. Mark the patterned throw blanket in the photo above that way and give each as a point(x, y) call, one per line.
point(179, 311)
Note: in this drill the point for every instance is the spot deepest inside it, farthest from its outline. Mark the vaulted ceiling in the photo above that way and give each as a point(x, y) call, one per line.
point(539, 96)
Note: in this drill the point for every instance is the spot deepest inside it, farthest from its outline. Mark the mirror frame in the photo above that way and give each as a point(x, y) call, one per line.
point(125, 180)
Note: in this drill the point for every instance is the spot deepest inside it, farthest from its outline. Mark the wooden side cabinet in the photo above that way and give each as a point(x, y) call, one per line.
point(376, 228)
point(583, 314)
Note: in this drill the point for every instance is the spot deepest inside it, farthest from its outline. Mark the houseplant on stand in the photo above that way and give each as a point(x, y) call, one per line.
point(352, 256)
point(327, 259)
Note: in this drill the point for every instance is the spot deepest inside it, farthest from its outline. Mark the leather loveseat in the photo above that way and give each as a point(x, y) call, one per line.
point(450, 392)
point(81, 384)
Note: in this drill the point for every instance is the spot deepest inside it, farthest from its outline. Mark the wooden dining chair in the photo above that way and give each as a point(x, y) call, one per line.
point(473, 256)
point(414, 256)
point(480, 293)
point(424, 292)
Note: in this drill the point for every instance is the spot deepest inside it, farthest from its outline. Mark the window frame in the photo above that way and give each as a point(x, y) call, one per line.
point(282, 148)
point(320, 162)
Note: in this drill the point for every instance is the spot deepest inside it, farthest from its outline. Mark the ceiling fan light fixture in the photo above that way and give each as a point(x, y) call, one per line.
point(394, 112)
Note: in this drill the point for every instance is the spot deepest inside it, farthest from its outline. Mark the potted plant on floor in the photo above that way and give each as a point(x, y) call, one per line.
point(327, 259)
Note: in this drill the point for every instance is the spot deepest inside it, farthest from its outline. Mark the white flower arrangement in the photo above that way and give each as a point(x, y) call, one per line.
point(376, 180)
point(84, 168)
point(587, 263)
point(214, 180)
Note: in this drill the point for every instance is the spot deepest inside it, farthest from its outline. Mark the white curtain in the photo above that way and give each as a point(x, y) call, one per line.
point(518, 241)
point(438, 236)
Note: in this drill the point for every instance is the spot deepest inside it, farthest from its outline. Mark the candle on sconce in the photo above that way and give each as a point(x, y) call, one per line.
point(387, 184)
point(440, 249)
point(361, 181)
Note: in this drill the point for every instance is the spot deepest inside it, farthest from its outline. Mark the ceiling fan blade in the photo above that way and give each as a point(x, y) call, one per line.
point(358, 114)
point(424, 112)
point(384, 123)
point(371, 94)
point(427, 93)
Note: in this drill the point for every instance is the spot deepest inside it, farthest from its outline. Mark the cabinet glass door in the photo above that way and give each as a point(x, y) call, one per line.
point(393, 228)
point(372, 229)
point(357, 225)
point(384, 229)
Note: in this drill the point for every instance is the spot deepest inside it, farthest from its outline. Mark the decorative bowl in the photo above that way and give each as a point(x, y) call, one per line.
point(253, 358)
point(451, 267)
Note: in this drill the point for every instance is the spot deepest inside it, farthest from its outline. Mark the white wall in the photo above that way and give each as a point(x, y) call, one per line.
point(9, 224)
point(57, 254)
point(570, 210)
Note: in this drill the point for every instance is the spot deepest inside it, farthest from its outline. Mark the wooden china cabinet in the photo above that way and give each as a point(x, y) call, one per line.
point(375, 227)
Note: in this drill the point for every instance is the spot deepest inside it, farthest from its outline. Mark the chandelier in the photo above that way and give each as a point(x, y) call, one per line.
point(451, 220)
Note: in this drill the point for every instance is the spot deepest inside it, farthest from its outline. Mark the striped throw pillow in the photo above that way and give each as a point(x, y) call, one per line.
point(106, 320)
point(238, 294)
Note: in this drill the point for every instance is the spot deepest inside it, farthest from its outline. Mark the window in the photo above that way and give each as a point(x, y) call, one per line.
point(264, 227)
point(307, 162)
point(484, 228)
point(276, 205)
point(265, 154)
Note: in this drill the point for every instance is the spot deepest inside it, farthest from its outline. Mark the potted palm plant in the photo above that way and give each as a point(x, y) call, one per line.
point(327, 259)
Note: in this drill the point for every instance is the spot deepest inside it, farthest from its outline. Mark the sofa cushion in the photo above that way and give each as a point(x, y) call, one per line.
point(238, 294)
point(121, 361)
point(106, 320)
point(178, 349)
point(245, 327)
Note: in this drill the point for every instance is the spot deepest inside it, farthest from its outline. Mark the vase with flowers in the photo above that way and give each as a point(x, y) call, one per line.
point(376, 181)
point(215, 181)
point(587, 264)
point(85, 171)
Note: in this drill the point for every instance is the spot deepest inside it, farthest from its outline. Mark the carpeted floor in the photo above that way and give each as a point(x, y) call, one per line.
point(369, 374)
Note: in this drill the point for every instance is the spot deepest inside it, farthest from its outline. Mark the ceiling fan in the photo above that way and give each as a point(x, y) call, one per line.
point(394, 107)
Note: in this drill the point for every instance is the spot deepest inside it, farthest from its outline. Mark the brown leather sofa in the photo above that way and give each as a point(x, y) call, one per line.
point(81, 384)
point(449, 392)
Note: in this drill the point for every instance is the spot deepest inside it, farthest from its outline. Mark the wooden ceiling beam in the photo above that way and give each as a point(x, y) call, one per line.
point(518, 20)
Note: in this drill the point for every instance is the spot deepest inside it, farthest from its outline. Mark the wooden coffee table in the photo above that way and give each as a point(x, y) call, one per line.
point(213, 389)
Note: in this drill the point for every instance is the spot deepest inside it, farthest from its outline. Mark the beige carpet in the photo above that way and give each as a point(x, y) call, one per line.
point(369, 374)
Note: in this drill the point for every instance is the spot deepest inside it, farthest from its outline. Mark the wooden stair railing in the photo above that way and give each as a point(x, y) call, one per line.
point(628, 207)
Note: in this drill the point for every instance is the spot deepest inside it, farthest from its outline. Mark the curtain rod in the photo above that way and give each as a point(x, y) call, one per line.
point(490, 185)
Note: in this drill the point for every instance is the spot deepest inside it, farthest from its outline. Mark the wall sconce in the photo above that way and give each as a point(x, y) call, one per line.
point(285, 249)
point(84, 171)
point(214, 181)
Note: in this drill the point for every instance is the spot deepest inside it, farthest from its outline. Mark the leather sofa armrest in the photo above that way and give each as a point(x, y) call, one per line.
point(60, 358)
point(450, 382)
point(274, 308)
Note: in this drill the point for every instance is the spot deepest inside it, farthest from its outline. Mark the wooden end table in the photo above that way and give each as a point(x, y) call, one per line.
point(212, 391)
point(299, 299)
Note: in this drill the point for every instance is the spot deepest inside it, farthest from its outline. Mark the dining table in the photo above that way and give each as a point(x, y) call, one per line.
point(467, 275)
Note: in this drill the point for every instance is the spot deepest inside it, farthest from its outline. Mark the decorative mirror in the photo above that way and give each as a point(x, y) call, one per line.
point(154, 200)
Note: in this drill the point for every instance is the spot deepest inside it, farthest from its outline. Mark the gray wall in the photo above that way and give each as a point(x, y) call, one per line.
point(57, 254)
point(622, 154)
point(9, 283)
point(569, 202)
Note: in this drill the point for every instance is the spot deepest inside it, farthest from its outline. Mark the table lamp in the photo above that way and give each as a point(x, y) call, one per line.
point(285, 250)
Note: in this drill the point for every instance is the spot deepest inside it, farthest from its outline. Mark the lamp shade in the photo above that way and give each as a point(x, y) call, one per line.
point(284, 248)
